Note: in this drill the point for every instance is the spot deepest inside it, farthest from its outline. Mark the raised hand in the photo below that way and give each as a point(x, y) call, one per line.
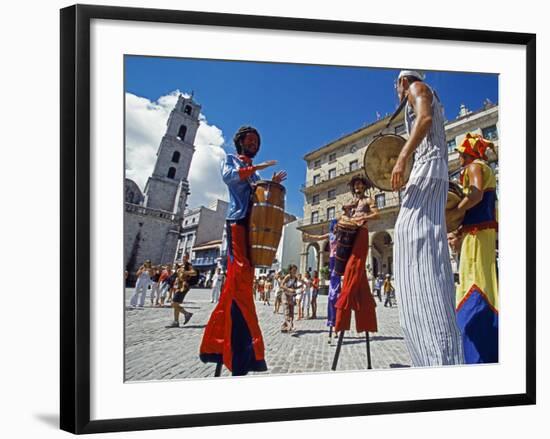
point(279, 176)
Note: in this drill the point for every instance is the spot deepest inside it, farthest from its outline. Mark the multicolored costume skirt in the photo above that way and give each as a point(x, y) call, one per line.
point(233, 335)
point(333, 293)
point(477, 296)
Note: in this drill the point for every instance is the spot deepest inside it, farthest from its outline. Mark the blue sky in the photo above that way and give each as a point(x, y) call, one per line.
point(297, 108)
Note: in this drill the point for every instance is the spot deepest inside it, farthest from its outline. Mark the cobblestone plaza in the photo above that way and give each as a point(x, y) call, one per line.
point(155, 352)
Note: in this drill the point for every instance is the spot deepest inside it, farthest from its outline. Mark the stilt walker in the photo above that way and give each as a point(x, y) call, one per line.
point(355, 293)
point(334, 279)
point(233, 336)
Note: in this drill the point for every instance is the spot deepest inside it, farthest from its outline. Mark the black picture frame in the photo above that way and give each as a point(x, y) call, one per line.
point(75, 217)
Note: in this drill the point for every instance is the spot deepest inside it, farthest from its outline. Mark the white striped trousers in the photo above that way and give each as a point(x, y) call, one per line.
point(423, 276)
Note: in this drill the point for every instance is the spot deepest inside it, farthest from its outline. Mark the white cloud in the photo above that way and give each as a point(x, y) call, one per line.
point(145, 126)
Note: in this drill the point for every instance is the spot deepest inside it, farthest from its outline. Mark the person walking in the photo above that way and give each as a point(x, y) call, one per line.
point(155, 285)
point(378, 287)
point(143, 282)
point(314, 293)
point(388, 291)
point(182, 287)
point(289, 286)
point(277, 288)
point(306, 296)
point(216, 285)
point(299, 293)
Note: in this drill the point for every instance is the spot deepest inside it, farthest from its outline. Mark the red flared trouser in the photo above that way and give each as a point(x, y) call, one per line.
point(355, 293)
point(237, 291)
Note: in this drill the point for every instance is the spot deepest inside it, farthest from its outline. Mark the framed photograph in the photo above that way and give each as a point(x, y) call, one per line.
point(197, 291)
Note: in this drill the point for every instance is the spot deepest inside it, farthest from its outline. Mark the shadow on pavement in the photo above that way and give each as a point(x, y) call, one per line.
point(372, 338)
point(300, 332)
point(181, 326)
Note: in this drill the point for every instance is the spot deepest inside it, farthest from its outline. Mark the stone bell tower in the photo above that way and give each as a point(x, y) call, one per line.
point(168, 187)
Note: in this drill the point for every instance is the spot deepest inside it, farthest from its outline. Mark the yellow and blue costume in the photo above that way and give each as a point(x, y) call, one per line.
point(477, 294)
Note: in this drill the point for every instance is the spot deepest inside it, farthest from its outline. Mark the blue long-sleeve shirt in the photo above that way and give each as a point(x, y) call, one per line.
point(239, 185)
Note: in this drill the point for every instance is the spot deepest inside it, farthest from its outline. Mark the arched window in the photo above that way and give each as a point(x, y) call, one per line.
point(176, 157)
point(187, 109)
point(181, 132)
point(171, 172)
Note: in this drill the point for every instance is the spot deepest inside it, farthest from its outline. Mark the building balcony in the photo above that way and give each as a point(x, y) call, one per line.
point(325, 181)
point(204, 261)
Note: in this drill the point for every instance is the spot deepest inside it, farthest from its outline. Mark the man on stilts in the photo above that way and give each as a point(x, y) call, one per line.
point(233, 336)
point(355, 291)
point(423, 273)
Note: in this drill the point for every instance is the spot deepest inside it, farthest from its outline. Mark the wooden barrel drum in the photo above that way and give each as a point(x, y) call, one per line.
point(265, 225)
point(345, 237)
point(454, 196)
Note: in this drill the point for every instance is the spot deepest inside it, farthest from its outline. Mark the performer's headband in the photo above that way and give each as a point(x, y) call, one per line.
point(412, 73)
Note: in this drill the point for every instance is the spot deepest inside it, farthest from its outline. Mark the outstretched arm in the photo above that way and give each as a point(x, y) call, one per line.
point(307, 237)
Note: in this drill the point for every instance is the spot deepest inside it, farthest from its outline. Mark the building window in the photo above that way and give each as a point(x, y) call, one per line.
point(451, 145)
point(187, 109)
point(490, 133)
point(353, 165)
point(317, 179)
point(353, 148)
point(186, 221)
point(317, 164)
point(176, 157)
point(331, 213)
point(380, 201)
point(332, 173)
point(171, 172)
point(193, 221)
point(332, 194)
point(315, 199)
point(181, 132)
point(314, 217)
point(332, 157)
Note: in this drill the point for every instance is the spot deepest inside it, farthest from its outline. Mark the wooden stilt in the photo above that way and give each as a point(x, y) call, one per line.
point(218, 369)
point(369, 364)
point(338, 347)
point(330, 335)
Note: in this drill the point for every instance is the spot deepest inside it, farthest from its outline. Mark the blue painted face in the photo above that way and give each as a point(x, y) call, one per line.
point(332, 225)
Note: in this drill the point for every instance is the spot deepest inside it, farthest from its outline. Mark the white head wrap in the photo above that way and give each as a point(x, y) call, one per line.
point(413, 73)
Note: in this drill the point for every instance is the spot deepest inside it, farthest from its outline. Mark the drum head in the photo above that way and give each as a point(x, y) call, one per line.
point(346, 224)
point(380, 157)
point(453, 199)
point(454, 196)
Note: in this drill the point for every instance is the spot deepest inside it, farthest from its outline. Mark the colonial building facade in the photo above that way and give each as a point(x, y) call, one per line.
point(152, 219)
point(330, 168)
point(201, 235)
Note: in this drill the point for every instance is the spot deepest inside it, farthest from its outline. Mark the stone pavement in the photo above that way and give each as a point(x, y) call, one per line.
point(155, 352)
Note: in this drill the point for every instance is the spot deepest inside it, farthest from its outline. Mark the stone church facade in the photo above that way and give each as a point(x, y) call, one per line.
point(152, 219)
